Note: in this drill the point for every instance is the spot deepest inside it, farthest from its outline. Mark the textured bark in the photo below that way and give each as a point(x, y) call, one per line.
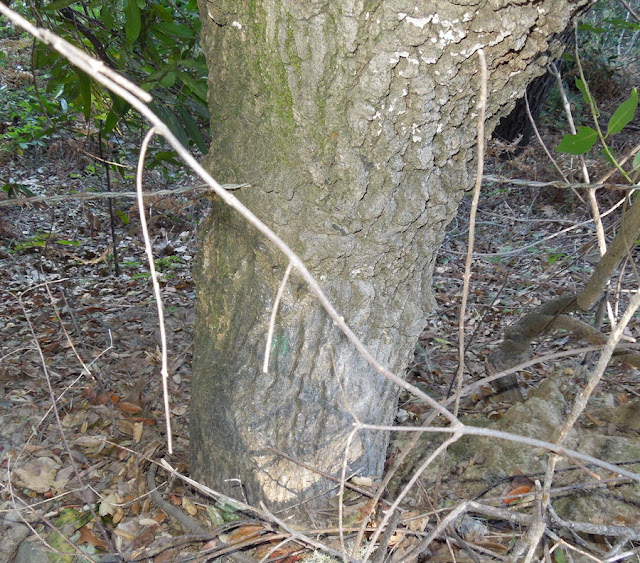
point(354, 122)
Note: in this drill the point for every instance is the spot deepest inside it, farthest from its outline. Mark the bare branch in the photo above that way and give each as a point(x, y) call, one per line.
point(201, 188)
point(156, 287)
point(482, 103)
point(493, 179)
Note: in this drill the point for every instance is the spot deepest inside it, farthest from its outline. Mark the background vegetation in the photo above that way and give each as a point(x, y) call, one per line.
point(57, 129)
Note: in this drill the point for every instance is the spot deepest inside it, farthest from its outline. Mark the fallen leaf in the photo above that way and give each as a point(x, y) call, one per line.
point(517, 494)
point(210, 544)
point(215, 516)
point(362, 481)
point(138, 427)
point(416, 521)
point(118, 516)
point(189, 506)
point(87, 536)
point(131, 408)
point(245, 532)
point(38, 474)
point(108, 505)
point(521, 480)
point(282, 555)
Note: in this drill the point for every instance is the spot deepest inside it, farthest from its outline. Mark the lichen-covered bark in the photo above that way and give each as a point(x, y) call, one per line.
point(354, 121)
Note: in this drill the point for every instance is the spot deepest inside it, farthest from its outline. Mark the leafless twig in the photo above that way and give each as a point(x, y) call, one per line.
point(272, 320)
point(482, 103)
point(201, 188)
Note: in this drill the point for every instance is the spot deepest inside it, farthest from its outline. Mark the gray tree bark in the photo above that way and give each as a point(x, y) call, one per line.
point(354, 122)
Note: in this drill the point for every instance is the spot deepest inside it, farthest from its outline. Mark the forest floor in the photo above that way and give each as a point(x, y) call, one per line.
point(82, 415)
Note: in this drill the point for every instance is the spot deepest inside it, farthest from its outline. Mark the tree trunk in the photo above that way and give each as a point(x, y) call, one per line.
point(355, 123)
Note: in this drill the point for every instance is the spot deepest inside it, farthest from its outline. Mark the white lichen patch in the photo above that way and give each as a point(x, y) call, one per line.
point(503, 34)
point(415, 130)
point(471, 50)
point(419, 22)
point(397, 56)
point(451, 36)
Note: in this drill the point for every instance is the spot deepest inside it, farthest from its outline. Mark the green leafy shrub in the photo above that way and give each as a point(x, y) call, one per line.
point(25, 126)
point(586, 137)
point(154, 44)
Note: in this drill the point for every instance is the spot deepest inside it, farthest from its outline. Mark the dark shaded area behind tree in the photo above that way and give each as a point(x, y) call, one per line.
point(516, 128)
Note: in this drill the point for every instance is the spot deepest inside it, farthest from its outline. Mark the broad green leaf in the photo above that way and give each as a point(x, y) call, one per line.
point(624, 114)
point(165, 39)
point(585, 93)
point(107, 16)
point(110, 123)
point(622, 24)
point(198, 109)
point(62, 546)
point(165, 156)
point(553, 258)
point(155, 75)
point(119, 105)
point(193, 130)
point(58, 4)
point(215, 516)
point(69, 516)
point(607, 157)
point(636, 161)
point(133, 23)
point(69, 242)
point(580, 143)
point(175, 30)
point(123, 217)
point(583, 88)
point(589, 27)
point(168, 80)
point(199, 88)
point(173, 122)
point(198, 64)
point(13, 190)
point(162, 13)
point(84, 82)
point(43, 56)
